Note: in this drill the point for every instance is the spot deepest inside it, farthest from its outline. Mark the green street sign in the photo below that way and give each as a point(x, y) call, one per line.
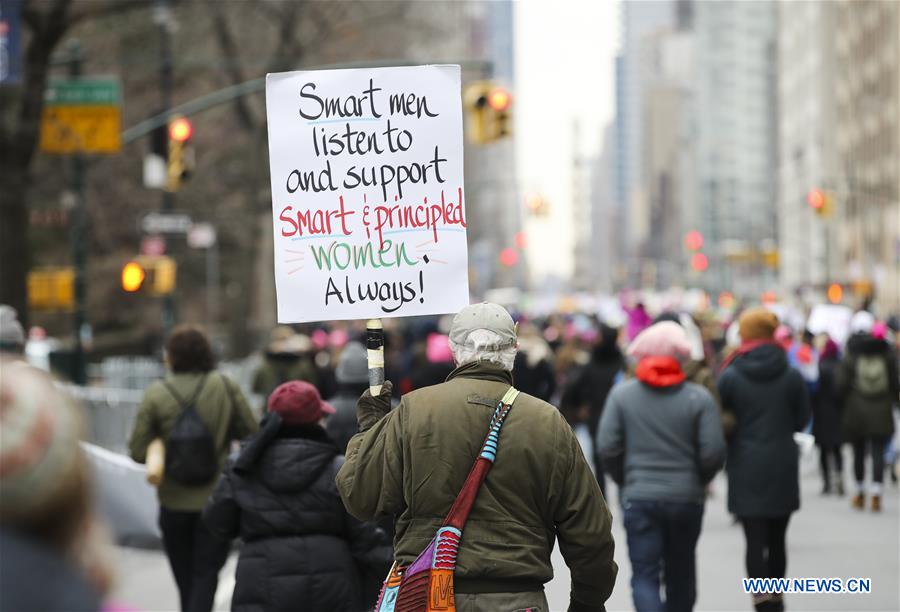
point(83, 92)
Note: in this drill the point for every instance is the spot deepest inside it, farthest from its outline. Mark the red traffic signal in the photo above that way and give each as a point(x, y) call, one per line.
point(816, 199)
point(180, 129)
point(693, 240)
point(509, 257)
point(499, 99)
point(699, 262)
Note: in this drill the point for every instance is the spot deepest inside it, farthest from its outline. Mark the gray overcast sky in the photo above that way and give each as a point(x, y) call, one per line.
point(565, 51)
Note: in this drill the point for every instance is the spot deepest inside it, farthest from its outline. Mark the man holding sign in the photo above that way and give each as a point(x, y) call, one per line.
point(413, 461)
point(370, 222)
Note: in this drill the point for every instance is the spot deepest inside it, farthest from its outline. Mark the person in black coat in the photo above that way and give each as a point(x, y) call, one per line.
point(590, 387)
point(768, 402)
point(827, 420)
point(302, 550)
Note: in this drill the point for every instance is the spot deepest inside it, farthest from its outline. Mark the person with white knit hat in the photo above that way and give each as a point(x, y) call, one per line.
point(50, 560)
point(867, 387)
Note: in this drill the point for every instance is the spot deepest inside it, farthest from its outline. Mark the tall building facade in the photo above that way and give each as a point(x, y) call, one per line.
point(808, 254)
point(639, 19)
point(735, 152)
point(657, 225)
point(867, 94)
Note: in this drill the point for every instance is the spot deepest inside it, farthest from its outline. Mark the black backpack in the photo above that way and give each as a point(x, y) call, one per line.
point(191, 457)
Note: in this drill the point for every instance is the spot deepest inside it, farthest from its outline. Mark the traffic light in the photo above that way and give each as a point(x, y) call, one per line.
point(693, 240)
point(500, 101)
point(152, 274)
point(488, 107)
point(132, 276)
point(820, 201)
point(699, 262)
point(180, 160)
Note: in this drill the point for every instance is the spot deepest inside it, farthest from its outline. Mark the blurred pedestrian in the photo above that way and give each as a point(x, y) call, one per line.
point(533, 371)
point(769, 402)
point(301, 549)
point(196, 412)
point(827, 420)
point(414, 460)
point(432, 361)
point(868, 387)
point(638, 320)
point(588, 390)
point(352, 376)
point(53, 555)
point(661, 440)
point(12, 336)
point(287, 357)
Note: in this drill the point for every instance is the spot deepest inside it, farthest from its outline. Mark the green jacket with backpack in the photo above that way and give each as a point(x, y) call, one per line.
point(868, 386)
point(221, 406)
point(412, 461)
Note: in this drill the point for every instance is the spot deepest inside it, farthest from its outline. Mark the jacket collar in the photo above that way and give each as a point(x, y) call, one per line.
point(482, 370)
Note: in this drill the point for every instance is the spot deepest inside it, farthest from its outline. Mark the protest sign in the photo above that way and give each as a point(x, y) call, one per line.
point(367, 192)
point(831, 319)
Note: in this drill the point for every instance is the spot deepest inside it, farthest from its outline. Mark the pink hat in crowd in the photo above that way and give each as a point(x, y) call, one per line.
point(663, 339)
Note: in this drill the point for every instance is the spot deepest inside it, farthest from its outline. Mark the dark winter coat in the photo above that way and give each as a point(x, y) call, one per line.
point(594, 381)
point(301, 548)
point(769, 402)
point(34, 577)
point(826, 407)
point(866, 415)
point(341, 425)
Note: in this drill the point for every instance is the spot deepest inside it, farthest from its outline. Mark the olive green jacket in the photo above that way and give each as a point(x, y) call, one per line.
point(411, 462)
point(221, 406)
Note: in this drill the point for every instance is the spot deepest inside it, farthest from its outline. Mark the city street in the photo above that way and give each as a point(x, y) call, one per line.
point(826, 538)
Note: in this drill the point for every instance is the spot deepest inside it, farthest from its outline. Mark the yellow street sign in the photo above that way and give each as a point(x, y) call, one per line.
point(51, 288)
point(81, 129)
point(82, 116)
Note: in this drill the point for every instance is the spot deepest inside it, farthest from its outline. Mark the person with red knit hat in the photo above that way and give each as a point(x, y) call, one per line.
point(301, 547)
point(674, 448)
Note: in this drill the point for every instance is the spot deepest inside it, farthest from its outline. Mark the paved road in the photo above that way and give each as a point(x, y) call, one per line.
point(826, 538)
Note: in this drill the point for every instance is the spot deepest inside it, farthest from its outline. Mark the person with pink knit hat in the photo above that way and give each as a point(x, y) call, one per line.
point(675, 447)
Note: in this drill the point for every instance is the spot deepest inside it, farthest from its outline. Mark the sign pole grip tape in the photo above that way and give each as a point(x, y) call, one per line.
point(375, 353)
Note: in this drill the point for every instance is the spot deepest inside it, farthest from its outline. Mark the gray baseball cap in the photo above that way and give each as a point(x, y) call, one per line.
point(488, 316)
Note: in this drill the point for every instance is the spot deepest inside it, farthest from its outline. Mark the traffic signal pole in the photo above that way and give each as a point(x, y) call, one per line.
point(79, 241)
point(164, 20)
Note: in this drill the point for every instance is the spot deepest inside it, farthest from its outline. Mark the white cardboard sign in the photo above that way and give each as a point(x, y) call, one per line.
point(367, 192)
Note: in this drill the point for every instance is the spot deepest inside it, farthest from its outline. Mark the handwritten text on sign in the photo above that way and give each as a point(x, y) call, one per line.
point(367, 192)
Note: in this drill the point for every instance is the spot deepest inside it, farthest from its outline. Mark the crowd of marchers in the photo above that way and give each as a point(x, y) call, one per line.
point(328, 497)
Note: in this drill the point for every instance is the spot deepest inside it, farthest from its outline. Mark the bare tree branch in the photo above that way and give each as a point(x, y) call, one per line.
point(233, 68)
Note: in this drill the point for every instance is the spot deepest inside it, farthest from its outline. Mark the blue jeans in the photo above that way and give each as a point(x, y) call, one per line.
point(662, 537)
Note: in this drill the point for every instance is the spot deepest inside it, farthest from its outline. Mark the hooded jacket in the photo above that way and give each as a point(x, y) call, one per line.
point(660, 437)
point(301, 548)
point(867, 415)
point(412, 462)
point(769, 402)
